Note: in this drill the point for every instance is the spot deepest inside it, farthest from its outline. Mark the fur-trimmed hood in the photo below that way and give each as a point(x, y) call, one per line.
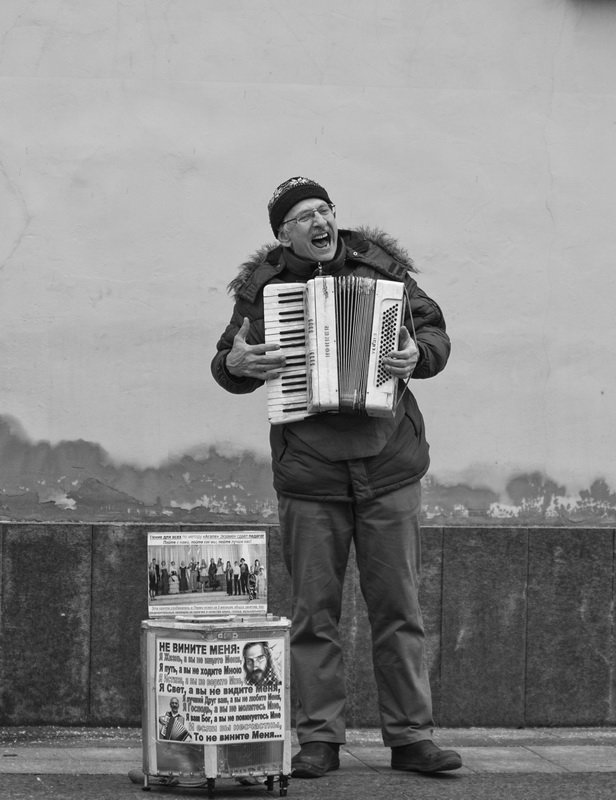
point(357, 240)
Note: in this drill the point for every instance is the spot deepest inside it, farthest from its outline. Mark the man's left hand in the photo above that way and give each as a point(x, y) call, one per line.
point(401, 363)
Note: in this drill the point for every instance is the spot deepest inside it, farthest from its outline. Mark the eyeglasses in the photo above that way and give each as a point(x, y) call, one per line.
point(306, 217)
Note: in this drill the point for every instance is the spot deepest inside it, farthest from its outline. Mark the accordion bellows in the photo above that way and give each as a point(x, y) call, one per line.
point(334, 332)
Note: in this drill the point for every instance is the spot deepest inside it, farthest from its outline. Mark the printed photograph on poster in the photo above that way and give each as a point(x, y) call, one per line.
point(220, 692)
point(207, 573)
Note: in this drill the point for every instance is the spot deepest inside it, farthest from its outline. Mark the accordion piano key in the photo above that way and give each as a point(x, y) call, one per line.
point(284, 320)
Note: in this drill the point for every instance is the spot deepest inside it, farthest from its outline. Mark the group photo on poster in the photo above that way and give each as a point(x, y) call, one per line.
point(213, 692)
point(200, 572)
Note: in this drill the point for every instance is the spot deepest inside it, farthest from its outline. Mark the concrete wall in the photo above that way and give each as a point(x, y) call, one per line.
point(139, 145)
point(519, 625)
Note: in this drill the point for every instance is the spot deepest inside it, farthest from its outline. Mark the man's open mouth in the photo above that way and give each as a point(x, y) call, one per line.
point(321, 240)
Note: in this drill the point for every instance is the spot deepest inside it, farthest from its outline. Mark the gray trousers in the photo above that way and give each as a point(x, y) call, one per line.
point(316, 538)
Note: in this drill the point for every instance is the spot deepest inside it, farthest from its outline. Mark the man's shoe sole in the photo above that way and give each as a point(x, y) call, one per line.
point(445, 764)
point(304, 769)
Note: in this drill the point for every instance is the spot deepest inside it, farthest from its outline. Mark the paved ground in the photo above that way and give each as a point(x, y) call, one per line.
point(499, 764)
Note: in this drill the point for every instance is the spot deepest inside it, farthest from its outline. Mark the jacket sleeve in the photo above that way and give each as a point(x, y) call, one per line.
point(219, 369)
point(430, 332)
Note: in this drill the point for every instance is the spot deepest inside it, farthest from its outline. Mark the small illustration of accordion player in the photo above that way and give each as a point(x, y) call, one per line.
point(334, 322)
point(172, 725)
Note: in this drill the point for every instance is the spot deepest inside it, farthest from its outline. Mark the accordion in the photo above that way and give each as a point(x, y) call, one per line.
point(334, 332)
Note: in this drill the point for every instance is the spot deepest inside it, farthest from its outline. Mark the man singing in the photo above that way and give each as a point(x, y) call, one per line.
point(346, 477)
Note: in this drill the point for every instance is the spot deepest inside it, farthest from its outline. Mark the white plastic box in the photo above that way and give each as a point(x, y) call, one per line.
point(216, 701)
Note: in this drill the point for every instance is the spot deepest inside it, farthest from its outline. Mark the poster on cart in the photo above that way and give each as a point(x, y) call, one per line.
point(220, 692)
point(207, 573)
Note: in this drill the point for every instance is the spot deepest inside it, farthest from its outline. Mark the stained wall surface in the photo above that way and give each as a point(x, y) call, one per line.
point(139, 144)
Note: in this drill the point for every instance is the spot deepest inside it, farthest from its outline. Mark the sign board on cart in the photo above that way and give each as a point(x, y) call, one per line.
point(216, 667)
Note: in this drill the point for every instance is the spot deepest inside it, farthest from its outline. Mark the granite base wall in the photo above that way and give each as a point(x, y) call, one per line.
point(519, 624)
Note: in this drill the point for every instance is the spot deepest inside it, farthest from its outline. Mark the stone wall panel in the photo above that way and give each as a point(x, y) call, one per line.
point(46, 605)
point(570, 627)
point(483, 652)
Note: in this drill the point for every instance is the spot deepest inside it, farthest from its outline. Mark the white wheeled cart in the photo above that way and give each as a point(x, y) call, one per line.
point(216, 701)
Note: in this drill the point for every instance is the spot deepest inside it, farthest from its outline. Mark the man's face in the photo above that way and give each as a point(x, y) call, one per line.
point(175, 706)
point(315, 239)
point(256, 663)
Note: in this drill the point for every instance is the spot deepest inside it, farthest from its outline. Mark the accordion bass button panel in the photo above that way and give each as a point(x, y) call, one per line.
point(284, 320)
point(382, 388)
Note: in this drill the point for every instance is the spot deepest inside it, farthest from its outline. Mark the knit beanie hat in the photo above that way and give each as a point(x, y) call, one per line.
point(288, 194)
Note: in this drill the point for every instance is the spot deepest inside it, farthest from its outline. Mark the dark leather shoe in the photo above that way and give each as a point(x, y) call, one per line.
point(424, 756)
point(315, 759)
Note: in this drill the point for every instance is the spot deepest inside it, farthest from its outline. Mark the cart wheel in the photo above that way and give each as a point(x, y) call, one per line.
point(270, 783)
point(211, 786)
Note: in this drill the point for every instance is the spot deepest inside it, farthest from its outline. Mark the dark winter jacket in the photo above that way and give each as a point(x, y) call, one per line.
point(338, 456)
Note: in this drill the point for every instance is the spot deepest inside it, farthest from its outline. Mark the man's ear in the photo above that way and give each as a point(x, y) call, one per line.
point(283, 237)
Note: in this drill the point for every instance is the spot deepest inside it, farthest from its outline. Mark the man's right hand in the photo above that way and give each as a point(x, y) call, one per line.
point(261, 361)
